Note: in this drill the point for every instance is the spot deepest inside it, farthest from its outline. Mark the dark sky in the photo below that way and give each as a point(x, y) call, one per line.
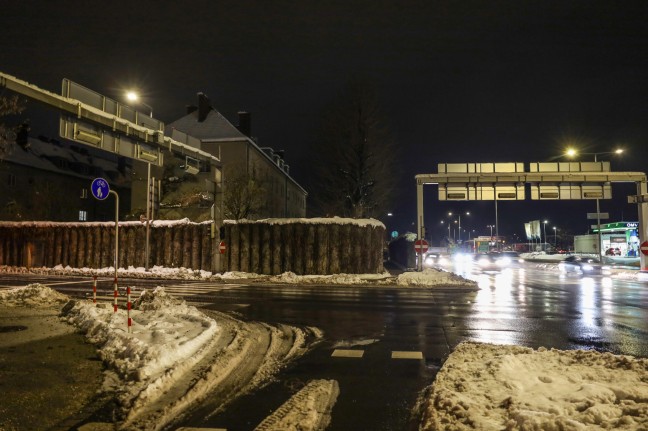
point(459, 81)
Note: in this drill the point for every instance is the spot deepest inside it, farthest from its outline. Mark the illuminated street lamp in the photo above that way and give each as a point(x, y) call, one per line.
point(134, 97)
point(572, 152)
point(491, 226)
point(555, 242)
point(459, 218)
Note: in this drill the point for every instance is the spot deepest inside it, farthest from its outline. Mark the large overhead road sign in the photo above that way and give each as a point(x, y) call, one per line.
point(581, 185)
point(546, 181)
point(98, 121)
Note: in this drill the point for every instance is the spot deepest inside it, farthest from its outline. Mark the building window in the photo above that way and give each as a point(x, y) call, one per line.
point(83, 215)
point(84, 193)
point(11, 180)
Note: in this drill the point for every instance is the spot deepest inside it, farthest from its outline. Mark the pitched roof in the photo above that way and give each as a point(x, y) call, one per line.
point(214, 127)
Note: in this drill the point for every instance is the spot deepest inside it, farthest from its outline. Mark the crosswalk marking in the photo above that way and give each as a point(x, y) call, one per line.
point(342, 353)
point(398, 354)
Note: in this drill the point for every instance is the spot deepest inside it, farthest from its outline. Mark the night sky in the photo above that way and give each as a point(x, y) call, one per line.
point(459, 81)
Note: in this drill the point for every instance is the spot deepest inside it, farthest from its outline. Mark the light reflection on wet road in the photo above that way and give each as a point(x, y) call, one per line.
point(522, 305)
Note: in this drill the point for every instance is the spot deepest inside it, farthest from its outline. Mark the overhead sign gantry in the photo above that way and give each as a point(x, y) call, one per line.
point(547, 181)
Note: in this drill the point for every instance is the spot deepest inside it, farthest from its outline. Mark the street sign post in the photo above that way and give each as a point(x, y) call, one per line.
point(644, 248)
point(420, 246)
point(100, 190)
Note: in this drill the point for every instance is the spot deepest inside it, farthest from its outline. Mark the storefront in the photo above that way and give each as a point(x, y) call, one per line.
point(619, 239)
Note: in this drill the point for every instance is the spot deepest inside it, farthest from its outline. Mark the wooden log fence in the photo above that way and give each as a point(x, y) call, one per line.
point(272, 246)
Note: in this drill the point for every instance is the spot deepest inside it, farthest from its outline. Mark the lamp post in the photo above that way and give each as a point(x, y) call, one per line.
point(555, 242)
point(134, 97)
point(571, 152)
point(544, 230)
point(459, 219)
point(442, 222)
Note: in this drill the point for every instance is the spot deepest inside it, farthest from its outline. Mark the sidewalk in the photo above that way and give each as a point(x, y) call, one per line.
point(48, 373)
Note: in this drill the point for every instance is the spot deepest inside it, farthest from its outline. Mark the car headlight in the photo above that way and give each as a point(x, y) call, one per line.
point(503, 261)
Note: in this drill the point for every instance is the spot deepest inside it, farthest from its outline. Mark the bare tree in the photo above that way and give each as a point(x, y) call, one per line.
point(8, 106)
point(355, 157)
point(244, 195)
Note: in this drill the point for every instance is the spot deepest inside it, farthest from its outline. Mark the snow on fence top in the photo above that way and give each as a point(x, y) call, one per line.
point(185, 221)
point(362, 222)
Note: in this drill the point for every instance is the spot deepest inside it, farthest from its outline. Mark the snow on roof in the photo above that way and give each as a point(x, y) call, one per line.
point(214, 127)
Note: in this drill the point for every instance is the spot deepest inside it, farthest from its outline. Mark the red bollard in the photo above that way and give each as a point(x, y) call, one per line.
point(128, 307)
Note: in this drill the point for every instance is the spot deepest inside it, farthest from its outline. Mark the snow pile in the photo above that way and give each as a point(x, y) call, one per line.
point(165, 331)
point(308, 409)
point(176, 356)
point(488, 387)
point(33, 295)
point(429, 277)
point(434, 277)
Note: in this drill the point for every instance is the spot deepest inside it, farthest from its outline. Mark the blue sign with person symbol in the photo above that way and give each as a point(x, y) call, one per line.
point(100, 188)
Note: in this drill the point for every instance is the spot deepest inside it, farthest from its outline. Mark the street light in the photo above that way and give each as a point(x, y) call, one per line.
point(134, 97)
point(459, 217)
point(572, 152)
point(491, 226)
point(544, 229)
point(555, 242)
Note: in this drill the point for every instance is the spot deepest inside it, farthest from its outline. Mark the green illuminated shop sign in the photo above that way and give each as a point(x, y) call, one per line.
point(621, 225)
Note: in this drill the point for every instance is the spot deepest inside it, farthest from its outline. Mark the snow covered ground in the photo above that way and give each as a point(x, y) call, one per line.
point(176, 355)
point(488, 387)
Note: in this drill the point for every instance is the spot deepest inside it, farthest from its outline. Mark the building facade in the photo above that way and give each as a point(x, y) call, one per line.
point(50, 180)
point(240, 155)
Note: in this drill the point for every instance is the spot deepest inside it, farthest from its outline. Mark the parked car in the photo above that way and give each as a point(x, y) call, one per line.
point(582, 266)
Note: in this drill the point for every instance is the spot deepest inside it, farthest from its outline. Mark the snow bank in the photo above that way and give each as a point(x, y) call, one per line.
point(429, 277)
point(434, 277)
point(488, 387)
point(164, 330)
point(316, 220)
point(33, 295)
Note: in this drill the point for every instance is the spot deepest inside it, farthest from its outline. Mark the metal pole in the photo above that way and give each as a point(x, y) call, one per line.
point(496, 224)
point(459, 233)
point(598, 222)
point(642, 189)
point(116, 245)
point(419, 218)
point(148, 216)
point(544, 232)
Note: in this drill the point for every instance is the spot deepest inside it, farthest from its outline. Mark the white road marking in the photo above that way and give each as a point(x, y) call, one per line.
point(406, 355)
point(342, 353)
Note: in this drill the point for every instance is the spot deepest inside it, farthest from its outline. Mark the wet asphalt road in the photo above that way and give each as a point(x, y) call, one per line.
point(522, 306)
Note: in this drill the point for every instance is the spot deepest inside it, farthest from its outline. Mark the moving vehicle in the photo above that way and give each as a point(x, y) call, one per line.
point(582, 266)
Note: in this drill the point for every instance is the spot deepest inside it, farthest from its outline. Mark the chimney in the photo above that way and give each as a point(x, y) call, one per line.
point(245, 123)
point(203, 107)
